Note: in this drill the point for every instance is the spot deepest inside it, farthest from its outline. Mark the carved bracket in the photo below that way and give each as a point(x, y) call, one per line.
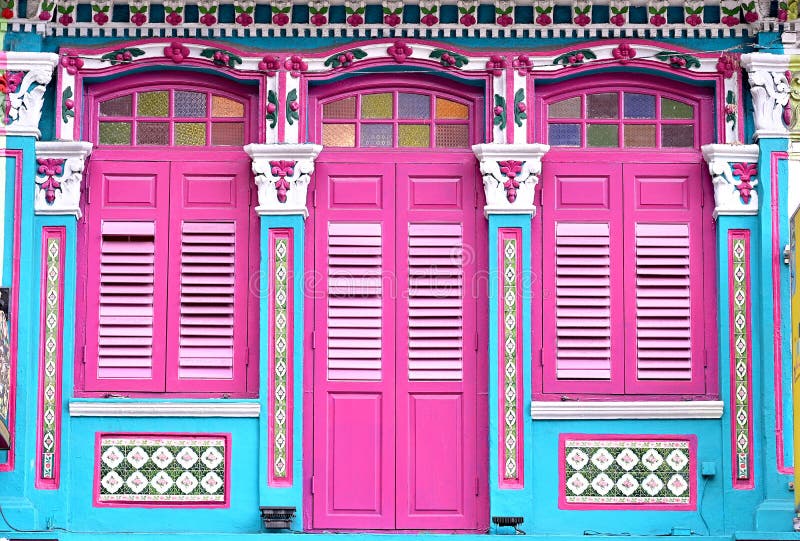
point(59, 172)
point(769, 86)
point(510, 174)
point(283, 172)
point(734, 171)
point(22, 86)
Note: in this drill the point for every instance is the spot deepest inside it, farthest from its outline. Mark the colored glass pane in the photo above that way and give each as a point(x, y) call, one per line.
point(339, 135)
point(376, 106)
point(564, 135)
point(226, 108)
point(640, 136)
point(602, 105)
point(414, 135)
point(115, 133)
point(152, 133)
point(677, 136)
point(227, 134)
point(190, 134)
point(190, 104)
point(376, 135)
point(640, 106)
point(602, 135)
point(121, 106)
point(344, 109)
point(448, 109)
point(413, 106)
point(673, 109)
point(452, 136)
point(153, 103)
point(570, 108)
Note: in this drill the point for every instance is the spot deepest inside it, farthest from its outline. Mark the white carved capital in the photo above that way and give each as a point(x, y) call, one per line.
point(59, 172)
point(510, 174)
point(733, 169)
point(26, 77)
point(769, 86)
point(283, 172)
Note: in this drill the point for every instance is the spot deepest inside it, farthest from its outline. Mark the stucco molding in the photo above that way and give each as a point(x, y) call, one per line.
point(769, 86)
point(25, 80)
point(282, 173)
point(698, 409)
point(510, 175)
point(59, 175)
point(733, 172)
point(164, 409)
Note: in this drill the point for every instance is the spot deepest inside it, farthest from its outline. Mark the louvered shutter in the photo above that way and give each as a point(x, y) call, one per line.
point(435, 302)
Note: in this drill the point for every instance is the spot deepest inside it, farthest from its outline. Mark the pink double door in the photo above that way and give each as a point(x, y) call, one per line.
point(396, 302)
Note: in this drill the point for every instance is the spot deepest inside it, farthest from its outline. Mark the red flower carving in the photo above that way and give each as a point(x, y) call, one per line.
point(495, 65)
point(510, 169)
point(399, 51)
point(726, 65)
point(72, 64)
point(745, 172)
point(50, 168)
point(624, 53)
point(282, 169)
point(295, 65)
point(176, 51)
point(270, 65)
point(522, 64)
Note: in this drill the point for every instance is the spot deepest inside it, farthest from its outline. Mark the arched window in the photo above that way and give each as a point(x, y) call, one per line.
point(169, 238)
point(627, 253)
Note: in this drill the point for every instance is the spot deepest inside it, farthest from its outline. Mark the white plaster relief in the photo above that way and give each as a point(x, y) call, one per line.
point(24, 105)
point(510, 175)
point(283, 172)
point(730, 196)
point(769, 87)
point(70, 156)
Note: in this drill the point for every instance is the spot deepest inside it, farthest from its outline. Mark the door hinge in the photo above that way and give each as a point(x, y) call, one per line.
point(477, 486)
point(476, 340)
point(541, 358)
point(314, 198)
point(702, 198)
point(313, 484)
point(83, 355)
point(247, 356)
point(705, 358)
point(313, 339)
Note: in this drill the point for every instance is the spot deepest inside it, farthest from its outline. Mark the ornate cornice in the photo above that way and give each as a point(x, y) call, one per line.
point(23, 82)
point(59, 172)
point(734, 172)
point(769, 86)
point(510, 174)
point(282, 174)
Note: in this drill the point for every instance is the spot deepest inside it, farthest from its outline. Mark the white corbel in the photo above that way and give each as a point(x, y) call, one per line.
point(282, 172)
point(510, 175)
point(734, 173)
point(769, 86)
point(26, 76)
point(59, 175)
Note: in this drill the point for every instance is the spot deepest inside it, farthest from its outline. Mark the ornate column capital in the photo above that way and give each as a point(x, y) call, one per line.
point(59, 171)
point(510, 174)
point(22, 88)
point(734, 171)
point(769, 85)
point(283, 172)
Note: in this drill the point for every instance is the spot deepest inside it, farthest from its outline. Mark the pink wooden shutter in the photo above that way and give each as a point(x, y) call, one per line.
point(582, 290)
point(209, 278)
point(664, 276)
point(126, 285)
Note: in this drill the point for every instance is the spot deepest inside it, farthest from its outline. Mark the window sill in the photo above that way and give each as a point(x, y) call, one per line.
point(697, 409)
point(162, 408)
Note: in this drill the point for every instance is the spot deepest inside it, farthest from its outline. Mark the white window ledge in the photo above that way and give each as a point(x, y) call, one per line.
point(226, 408)
point(698, 409)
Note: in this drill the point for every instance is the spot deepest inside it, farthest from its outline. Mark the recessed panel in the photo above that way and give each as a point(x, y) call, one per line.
point(209, 190)
point(356, 192)
point(440, 193)
point(582, 192)
point(355, 459)
point(662, 192)
point(129, 190)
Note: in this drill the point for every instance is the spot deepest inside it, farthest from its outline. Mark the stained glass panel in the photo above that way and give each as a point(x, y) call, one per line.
point(564, 135)
point(677, 136)
point(152, 133)
point(226, 108)
point(376, 135)
point(413, 106)
point(675, 109)
point(153, 103)
point(190, 134)
point(227, 134)
point(602, 105)
point(115, 133)
point(452, 136)
point(602, 135)
point(344, 109)
point(339, 135)
point(190, 104)
point(570, 108)
point(121, 106)
point(640, 136)
point(414, 135)
point(448, 109)
point(376, 106)
point(640, 106)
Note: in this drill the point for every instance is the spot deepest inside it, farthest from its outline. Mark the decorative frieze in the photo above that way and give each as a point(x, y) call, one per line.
point(162, 469)
point(769, 86)
point(282, 174)
point(23, 81)
point(733, 170)
point(59, 174)
point(510, 175)
point(627, 472)
point(741, 357)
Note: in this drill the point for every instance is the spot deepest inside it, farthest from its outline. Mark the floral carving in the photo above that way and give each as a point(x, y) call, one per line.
point(292, 107)
point(173, 12)
point(770, 89)
point(176, 51)
point(495, 65)
point(399, 51)
point(392, 12)
point(281, 13)
point(318, 12)
point(22, 93)
point(208, 12)
point(624, 53)
point(745, 172)
point(46, 10)
point(67, 105)
point(467, 12)
point(272, 108)
point(50, 168)
point(270, 65)
point(282, 169)
point(619, 12)
point(121, 56)
point(295, 65)
point(510, 169)
point(582, 12)
point(499, 111)
point(693, 12)
point(355, 12)
point(244, 10)
point(510, 175)
point(574, 58)
point(657, 12)
point(504, 13)
point(9, 83)
point(65, 11)
point(730, 108)
point(449, 59)
point(543, 11)
point(138, 11)
point(750, 12)
point(727, 66)
point(429, 10)
point(345, 59)
point(282, 173)
point(523, 64)
point(71, 63)
point(221, 57)
point(734, 172)
point(678, 60)
point(731, 12)
point(520, 108)
point(59, 173)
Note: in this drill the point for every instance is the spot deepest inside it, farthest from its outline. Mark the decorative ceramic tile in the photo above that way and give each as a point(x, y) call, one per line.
point(740, 356)
point(280, 315)
point(149, 468)
point(627, 471)
point(510, 345)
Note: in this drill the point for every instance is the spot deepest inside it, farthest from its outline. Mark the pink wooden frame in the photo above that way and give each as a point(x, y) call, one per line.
point(185, 436)
point(690, 438)
point(13, 323)
point(273, 478)
point(49, 233)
